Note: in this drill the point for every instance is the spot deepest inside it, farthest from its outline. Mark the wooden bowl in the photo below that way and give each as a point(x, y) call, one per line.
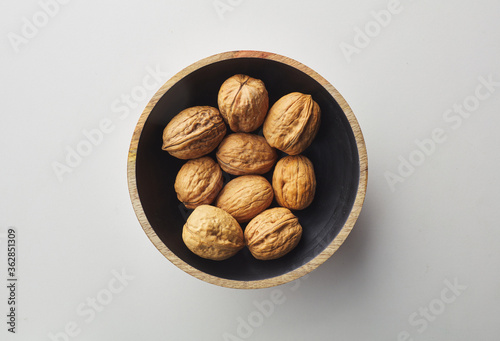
point(338, 154)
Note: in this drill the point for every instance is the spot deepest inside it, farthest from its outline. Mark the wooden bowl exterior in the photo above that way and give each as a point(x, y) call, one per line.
point(285, 277)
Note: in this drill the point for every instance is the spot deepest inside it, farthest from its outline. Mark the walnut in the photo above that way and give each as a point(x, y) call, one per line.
point(246, 196)
point(198, 182)
point(292, 123)
point(273, 233)
point(294, 182)
point(194, 132)
point(243, 154)
point(212, 233)
point(243, 103)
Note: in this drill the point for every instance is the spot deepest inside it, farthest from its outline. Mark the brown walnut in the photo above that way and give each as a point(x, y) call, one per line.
point(243, 103)
point(273, 233)
point(244, 154)
point(194, 132)
point(294, 182)
point(292, 123)
point(212, 233)
point(245, 196)
point(198, 182)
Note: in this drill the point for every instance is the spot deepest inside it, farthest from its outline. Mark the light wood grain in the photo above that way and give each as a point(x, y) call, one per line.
point(314, 262)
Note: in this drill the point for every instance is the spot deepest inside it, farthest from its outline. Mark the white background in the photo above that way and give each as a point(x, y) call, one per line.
point(437, 225)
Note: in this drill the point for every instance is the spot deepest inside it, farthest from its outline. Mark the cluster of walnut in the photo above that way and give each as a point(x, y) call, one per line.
point(213, 229)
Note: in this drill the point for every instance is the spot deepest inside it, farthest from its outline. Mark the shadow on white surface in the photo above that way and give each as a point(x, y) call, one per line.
point(350, 259)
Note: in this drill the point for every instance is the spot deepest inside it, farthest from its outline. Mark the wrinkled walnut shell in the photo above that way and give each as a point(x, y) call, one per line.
point(244, 154)
point(292, 123)
point(212, 233)
point(198, 182)
point(294, 182)
point(246, 196)
point(194, 132)
point(273, 233)
point(243, 103)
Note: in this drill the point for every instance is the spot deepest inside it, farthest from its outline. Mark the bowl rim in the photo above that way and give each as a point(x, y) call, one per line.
point(310, 265)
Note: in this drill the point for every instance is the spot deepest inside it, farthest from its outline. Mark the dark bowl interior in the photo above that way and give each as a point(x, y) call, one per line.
point(333, 153)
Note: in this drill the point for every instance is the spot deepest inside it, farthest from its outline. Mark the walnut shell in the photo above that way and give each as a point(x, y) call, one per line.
point(292, 123)
point(294, 182)
point(212, 233)
point(273, 233)
point(198, 182)
point(246, 196)
point(194, 132)
point(243, 103)
point(244, 154)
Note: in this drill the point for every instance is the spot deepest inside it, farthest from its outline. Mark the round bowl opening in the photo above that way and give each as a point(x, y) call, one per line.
point(337, 153)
